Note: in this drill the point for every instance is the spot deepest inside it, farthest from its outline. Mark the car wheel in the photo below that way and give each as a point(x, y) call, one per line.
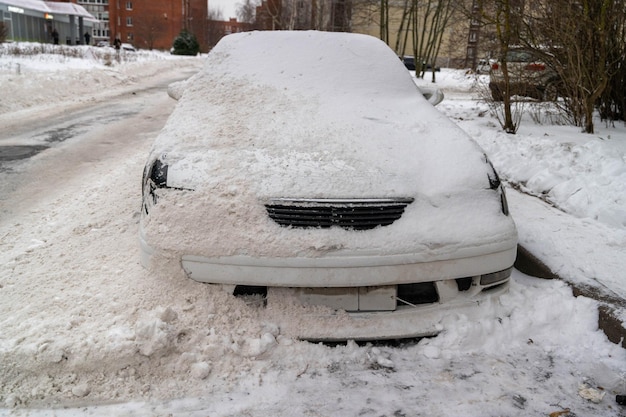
point(551, 92)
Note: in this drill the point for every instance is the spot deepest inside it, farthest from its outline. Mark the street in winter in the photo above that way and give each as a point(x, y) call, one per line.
point(86, 330)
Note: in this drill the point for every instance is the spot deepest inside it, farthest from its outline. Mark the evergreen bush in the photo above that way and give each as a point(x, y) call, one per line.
point(185, 44)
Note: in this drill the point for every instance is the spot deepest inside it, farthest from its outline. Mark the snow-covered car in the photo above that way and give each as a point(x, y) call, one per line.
point(343, 193)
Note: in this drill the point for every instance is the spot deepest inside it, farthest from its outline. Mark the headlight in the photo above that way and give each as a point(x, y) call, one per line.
point(158, 174)
point(496, 184)
point(154, 176)
point(505, 204)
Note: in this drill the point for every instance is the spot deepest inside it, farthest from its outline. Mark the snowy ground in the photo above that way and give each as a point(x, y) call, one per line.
point(86, 331)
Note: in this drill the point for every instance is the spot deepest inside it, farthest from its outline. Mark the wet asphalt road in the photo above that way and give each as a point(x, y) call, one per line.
point(42, 148)
point(37, 135)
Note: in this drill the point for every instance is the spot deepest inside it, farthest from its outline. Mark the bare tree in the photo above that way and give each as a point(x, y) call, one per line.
point(295, 15)
point(214, 27)
point(418, 26)
point(215, 14)
point(423, 23)
point(583, 48)
point(384, 21)
point(612, 104)
point(437, 15)
point(246, 10)
point(505, 16)
point(372, 16)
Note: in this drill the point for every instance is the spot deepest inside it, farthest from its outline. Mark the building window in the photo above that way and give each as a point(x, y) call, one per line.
point(129, 21)
point(129, 5)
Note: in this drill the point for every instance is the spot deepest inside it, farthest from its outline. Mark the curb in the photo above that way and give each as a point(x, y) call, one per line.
point(608, 320)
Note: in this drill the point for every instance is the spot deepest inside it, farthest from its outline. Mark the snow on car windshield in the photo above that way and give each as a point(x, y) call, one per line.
point(283, 105)
point(330, 64)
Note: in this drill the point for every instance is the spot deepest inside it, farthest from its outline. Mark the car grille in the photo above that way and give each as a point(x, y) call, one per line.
point(354, 214)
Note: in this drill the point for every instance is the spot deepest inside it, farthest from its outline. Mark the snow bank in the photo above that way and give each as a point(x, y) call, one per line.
point(581, 174)
point(39, 77)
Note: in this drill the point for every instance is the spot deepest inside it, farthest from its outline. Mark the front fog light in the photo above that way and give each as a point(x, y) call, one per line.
point(489, 279)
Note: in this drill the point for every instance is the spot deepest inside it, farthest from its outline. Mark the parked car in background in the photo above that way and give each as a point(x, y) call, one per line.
point(343, 193)
point(409, 63)
point(128, 47)
point(483, 66)
point(528, 74)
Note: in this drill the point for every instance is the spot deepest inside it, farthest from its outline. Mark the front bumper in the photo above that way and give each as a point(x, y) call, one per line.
point(319, 324)
point(462, 287)
point(344, 271)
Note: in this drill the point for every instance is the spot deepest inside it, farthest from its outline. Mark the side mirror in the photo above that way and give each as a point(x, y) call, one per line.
point(432, 94)
point(176, 90)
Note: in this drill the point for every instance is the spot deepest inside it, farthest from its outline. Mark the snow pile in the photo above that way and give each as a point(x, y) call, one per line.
point(37, 76)
point(586, 178)
point(581, 174)
point(83, 325)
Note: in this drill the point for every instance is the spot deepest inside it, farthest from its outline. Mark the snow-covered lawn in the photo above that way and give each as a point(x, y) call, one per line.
point(83, 325)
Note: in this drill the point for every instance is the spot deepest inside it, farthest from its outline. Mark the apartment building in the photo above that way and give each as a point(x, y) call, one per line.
point(147, 24)
point(100, 10)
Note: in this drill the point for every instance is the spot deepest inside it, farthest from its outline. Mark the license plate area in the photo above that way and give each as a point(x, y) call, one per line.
point(382, 298)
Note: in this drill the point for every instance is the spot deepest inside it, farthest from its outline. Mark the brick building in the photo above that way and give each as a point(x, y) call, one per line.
point(146, 24)
point(217, 29)
point(155, 24)
point(268, 15)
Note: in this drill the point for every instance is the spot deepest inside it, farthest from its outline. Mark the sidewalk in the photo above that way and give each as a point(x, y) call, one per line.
point(586, 254)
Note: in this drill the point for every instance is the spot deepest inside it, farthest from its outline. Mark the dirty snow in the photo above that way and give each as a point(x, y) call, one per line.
point(85, 330)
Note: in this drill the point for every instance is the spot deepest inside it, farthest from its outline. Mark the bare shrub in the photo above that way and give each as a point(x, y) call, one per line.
point(509, 114)
point(549, 113)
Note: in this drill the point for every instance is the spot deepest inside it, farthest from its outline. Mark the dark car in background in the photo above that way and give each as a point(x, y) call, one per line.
point(409, 63)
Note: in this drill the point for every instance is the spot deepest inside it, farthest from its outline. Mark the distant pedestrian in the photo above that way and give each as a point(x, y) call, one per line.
point(87, 38)
point(117, 43)
point(55, 36)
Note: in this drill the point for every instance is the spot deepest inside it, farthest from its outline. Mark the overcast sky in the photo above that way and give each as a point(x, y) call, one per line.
point(227, 7)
